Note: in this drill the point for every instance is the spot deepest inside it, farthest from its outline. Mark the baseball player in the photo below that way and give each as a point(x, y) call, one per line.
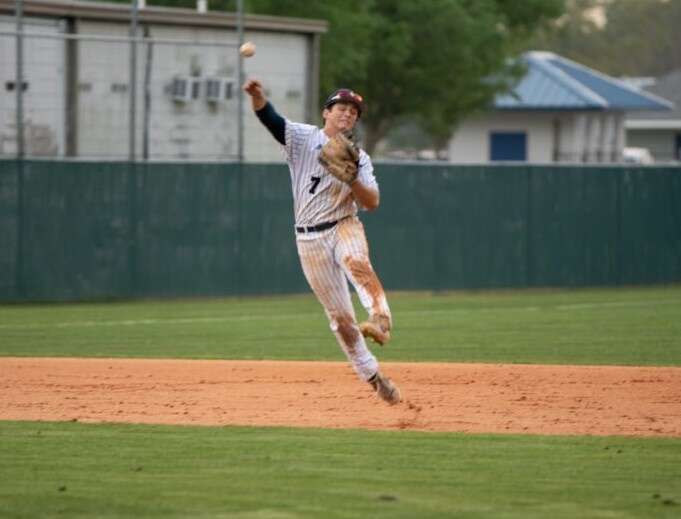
point(330, 238)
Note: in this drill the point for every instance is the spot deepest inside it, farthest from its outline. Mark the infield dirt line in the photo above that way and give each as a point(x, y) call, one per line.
point(479, 398)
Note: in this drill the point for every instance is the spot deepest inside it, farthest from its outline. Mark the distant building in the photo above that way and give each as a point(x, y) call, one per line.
point(559, 112)
point(77, 90)
point(658, 132)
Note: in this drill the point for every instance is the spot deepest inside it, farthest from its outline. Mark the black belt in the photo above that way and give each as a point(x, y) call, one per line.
point(316, 228)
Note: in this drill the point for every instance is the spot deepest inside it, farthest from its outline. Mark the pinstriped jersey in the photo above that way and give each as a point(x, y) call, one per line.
point(318, 196)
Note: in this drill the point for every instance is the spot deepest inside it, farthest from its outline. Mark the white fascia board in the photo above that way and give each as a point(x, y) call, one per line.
point(653, 124)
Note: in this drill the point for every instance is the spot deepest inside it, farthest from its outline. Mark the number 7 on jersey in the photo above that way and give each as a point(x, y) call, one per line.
point(315, 183)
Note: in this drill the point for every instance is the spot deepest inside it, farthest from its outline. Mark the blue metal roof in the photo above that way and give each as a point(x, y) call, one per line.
point(556, 83)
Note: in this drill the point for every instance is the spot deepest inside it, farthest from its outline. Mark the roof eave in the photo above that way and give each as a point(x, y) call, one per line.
point(163, 15)
point(552, 109)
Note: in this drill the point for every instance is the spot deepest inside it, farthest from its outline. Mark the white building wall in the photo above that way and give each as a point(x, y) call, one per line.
point(103, 93)
point(43, 100)
point(620, 135)
point(575, 137)
point(281, 63)
point(195, 129)
point(566, 137)
point(471, 141)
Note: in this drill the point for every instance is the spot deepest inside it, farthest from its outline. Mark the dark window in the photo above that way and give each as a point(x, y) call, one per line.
point(213, 88)
point(9, 86)
point(196, 89)
point(508, 146)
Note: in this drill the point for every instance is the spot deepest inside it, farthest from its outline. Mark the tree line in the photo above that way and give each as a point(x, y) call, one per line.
point(627, 38)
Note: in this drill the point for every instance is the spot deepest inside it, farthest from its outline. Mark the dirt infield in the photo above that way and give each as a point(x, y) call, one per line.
point(593, 400)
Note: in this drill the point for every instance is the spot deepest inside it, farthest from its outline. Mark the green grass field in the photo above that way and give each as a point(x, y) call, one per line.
point(639, 326)
point(76, 470)
point(81, 470)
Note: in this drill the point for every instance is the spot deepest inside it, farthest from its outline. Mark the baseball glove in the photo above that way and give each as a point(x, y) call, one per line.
point(340, 157)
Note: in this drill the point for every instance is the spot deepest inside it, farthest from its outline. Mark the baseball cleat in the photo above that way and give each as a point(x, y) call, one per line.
point(385, 389)
point(373, 328)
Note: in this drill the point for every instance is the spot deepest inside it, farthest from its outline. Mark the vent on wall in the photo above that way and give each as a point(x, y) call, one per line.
point(219, 89)
point(185, 88)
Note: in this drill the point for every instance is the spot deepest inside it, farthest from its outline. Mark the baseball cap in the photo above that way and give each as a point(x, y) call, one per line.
point(345, 95)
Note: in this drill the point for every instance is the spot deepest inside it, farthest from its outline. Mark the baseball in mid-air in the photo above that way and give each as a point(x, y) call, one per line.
point(247, 49)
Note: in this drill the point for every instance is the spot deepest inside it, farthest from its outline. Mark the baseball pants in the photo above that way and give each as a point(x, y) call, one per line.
point(329, 260)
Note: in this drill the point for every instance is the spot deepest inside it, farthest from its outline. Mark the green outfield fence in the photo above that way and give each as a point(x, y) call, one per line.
point(86, 230)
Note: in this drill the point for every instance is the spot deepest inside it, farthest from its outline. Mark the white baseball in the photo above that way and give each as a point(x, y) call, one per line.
point(247, 49)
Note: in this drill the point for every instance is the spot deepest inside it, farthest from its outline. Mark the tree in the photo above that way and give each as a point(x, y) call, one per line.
point(638, 38)
point(435, 61)
point(644, 37)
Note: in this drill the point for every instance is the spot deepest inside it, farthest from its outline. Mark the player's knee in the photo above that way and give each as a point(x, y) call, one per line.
point(338, 321)
point(346, 328)
point(359, 268)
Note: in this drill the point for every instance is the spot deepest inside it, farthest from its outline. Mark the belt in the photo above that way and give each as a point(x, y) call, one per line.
point(317, 228)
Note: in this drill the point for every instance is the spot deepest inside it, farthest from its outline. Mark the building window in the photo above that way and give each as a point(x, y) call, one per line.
point(508, 146)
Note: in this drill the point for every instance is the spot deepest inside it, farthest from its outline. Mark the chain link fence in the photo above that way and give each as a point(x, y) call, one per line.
point(111, 92)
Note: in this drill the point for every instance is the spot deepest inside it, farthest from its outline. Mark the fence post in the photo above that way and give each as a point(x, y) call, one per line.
point(19, 83)
point(240, 226)
point(19, 283)
point(133, 225)
point(71, 100)
point(618, 229)
point(133, 78)
point(19, 87)
point(147, 93)
point(240, 80)
point(529, 250)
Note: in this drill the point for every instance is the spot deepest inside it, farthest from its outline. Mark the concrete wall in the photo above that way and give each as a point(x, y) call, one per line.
point(103, 93)
point(196, 129)
point(43, 100)
point(281, 63)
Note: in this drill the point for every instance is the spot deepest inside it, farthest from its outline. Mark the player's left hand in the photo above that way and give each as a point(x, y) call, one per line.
point(340, 157)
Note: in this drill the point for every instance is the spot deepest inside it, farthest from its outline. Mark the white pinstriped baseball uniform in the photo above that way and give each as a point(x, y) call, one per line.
point(332, 256)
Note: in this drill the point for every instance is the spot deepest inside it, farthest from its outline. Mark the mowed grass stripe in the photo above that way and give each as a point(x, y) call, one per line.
point(312, 315)
point(640, 326)
point(80, 470)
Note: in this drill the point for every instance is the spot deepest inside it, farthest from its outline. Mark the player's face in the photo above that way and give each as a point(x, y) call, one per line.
point(341, 116)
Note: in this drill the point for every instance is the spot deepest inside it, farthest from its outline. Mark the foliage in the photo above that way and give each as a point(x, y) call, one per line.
point(434, 61)
point(639, 38)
